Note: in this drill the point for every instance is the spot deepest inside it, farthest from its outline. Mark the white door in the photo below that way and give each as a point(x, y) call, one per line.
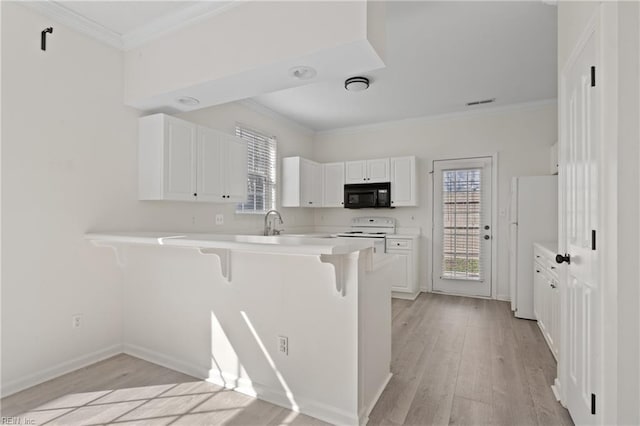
point(180, 160)
point(580, 145)
point(462, 218)
point(333, 185)
point(378, 170)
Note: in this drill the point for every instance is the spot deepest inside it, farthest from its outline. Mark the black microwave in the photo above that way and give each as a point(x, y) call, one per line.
point(367, 195)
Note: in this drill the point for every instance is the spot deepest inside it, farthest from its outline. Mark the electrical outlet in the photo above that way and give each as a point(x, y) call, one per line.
point(283, 345)
point(76, 321)
point(219, 219)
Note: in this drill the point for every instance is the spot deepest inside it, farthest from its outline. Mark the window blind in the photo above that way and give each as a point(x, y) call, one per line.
point(462, 219)
point(261, 172)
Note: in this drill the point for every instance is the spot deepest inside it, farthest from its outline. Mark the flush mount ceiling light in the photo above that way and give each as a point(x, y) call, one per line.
point(188, 100)
point(356, 84)
point(303, 72)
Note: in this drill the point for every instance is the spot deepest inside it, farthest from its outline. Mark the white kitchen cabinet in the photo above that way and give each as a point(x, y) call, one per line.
point(546, 296)
point(553, 159)
point(403, 181)
point(405, 277)
point(367, 171)
point(181, 161)
point(333, 185)
point(222, 167)
point(301, 182)
point(167, 158)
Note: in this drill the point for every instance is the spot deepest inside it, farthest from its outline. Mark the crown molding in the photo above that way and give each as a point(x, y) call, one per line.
point(138, 37)
point(173, 22)
point(75, 21)
point(448, 116)
point(268, 112)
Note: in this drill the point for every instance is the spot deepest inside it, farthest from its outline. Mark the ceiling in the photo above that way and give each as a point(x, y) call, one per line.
point(440, 55)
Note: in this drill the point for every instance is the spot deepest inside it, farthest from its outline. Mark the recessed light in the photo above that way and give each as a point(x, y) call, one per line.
point(188, 100)
point(303, 72)
point(356, 84)
point(484, 101)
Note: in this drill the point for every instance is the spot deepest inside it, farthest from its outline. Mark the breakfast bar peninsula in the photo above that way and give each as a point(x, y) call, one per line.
point(304, 323)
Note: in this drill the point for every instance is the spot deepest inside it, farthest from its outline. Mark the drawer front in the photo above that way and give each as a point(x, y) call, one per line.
point(394, 243)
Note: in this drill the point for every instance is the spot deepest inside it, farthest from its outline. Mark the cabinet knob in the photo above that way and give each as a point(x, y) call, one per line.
point(486, 237)
point(552, 285)
point(195, 194)
point(566, 258)
point(538, 271)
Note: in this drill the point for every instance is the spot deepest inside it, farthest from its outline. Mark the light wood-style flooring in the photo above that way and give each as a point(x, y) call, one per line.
point(455, 361)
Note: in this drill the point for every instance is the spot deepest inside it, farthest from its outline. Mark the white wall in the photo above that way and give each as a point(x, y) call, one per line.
point(69, 165)
point(521, 136)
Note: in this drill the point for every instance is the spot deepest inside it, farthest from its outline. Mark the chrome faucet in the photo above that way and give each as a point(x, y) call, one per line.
point(267, 228)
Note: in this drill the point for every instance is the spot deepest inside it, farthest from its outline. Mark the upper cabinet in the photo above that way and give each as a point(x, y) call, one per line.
point(222, 167)
point(367, 171)
point(306, 183)
point(181, 161)
point(333, 185)
point(403, 182)
point(553, 159)
point(301, 183)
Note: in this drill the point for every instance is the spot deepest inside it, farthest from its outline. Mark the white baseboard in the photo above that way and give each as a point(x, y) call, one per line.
point(41, 376)
point(245, 386)
point(503, 297)
point(165, 361)
point(557, 391)
point(405, 296)
point(364, 415)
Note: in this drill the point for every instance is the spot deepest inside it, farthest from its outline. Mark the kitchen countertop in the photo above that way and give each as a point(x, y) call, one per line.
point(284, 244)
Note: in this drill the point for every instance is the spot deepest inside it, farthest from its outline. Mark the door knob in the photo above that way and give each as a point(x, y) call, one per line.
point(566, 258)
point(486, 237)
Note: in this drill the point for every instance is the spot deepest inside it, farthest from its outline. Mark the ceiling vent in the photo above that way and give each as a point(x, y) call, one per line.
point(484, 101)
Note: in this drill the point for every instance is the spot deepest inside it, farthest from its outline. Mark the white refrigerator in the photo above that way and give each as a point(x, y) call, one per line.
point(533, 217)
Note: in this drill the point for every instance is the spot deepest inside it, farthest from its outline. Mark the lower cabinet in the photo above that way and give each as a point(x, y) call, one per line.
point(546, 296)
point(405, 278)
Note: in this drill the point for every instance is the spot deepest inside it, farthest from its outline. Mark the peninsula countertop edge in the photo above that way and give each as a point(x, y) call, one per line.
point(281, 244)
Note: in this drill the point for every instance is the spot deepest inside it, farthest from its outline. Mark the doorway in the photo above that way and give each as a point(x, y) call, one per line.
point(462, 226)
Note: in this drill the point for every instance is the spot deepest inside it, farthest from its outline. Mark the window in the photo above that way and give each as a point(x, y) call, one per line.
point(461, 218)
point(261, 172)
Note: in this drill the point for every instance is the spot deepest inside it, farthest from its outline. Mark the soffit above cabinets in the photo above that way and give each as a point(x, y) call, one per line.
point(220, 52)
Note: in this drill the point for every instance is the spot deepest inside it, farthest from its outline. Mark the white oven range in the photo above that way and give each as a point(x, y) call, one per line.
point(375, 229)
